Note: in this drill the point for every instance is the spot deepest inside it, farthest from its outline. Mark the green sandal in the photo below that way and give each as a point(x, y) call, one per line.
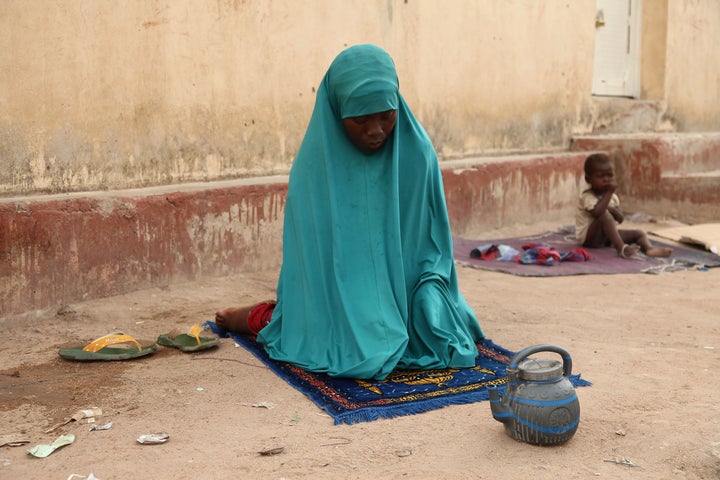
point(116, 346)
point(188, 342)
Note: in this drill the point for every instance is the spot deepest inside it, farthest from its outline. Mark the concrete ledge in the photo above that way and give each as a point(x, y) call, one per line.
point(60, 249)
point(670, 174)
point(490, 193)
point(674, 153)
point(63, 250)
point(691, 199)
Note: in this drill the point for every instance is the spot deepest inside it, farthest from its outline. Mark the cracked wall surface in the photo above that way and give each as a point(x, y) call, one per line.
point(105, 95)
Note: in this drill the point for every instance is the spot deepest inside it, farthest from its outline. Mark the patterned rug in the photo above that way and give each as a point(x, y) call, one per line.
point(601, 260)
point(402, 393)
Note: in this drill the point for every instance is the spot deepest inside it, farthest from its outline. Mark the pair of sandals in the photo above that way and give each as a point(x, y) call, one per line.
point(119, 346)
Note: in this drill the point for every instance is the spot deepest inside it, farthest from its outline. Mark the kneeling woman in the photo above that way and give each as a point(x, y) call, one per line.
point(368, 282)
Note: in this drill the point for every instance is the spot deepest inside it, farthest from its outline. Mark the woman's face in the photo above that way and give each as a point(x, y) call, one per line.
point(370, 132)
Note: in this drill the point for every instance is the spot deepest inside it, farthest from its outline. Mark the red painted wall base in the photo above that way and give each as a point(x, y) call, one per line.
point(60, 249)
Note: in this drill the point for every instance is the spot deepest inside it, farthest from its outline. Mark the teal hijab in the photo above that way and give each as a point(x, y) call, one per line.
point(368, 282)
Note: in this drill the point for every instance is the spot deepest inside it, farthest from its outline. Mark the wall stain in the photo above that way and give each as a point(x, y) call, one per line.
point(154, 23)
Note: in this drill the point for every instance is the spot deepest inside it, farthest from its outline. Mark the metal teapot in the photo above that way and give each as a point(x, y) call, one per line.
point(539, 405)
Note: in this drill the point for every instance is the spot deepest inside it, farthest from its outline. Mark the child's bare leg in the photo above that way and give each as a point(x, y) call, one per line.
point(234, 319)
point(640, 237)
point(604, 229)
point(658, 251)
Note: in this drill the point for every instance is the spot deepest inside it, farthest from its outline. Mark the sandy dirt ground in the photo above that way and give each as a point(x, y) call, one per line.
point(649, 343)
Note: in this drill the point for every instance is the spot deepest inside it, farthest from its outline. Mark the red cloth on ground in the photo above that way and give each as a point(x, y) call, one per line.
point(576, 255)
point(540, 253)
point(260, 316)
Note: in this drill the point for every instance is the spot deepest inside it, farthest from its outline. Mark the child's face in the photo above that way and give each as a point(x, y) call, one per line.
point(602, 177)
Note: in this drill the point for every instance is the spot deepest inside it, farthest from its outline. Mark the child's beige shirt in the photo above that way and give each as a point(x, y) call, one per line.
point(583, 217)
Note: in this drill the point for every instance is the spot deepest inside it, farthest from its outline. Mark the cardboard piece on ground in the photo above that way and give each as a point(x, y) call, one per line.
point(706, 235)
point(13, 440)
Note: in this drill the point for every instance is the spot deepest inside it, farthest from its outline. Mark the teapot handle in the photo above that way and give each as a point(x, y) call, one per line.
point(527, 351)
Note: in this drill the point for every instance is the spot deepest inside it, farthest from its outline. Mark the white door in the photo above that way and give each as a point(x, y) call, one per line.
point(616, 69)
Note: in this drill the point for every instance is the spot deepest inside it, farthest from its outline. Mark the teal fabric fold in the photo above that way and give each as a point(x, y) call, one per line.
point(368, 282)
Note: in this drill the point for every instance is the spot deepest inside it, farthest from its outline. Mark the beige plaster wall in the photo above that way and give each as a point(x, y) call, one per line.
point(693, 64)
point(101, 94)
point(105, 94)
point(653, 48)
point(498, 77)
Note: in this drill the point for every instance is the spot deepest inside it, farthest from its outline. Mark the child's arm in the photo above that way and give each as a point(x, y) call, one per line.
point(616, 213)
point(603, 202)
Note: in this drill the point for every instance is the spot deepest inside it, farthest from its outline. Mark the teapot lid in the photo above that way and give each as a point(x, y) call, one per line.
point(540, 369)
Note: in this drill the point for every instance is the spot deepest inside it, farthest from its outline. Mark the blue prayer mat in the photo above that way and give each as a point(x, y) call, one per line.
point(401, 393)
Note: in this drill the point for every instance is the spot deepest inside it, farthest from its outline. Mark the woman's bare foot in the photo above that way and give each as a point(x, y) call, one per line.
point(658, 252)
point(234, 319)
point(629, 250)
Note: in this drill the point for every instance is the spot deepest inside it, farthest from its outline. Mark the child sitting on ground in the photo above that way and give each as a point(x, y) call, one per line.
point(598, 214)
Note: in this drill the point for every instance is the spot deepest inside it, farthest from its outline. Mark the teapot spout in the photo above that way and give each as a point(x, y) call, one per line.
point(499, 411)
